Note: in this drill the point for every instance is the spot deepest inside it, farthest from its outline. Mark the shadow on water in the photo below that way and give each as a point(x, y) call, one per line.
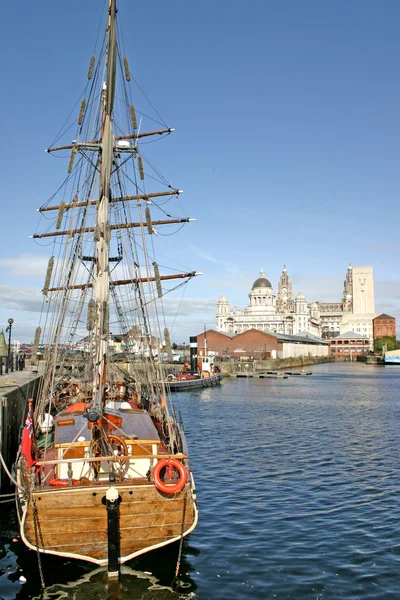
point(149, 576)
point(297, 484)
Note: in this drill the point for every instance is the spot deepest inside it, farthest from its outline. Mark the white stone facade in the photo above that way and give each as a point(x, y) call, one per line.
point(283, 314)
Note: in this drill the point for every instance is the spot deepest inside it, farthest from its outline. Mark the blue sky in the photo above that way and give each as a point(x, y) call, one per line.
point(286, 143)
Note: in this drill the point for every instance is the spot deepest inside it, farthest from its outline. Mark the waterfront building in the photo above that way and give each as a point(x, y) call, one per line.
point(288, 315)
point(384, 326)
point(349, 344)
point(256, 344)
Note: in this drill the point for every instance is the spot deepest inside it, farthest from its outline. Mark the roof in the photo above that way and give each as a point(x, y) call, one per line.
point(349, 335)
point(384, 316)
point(310, 336)
point(262, 281)
point(301, 338)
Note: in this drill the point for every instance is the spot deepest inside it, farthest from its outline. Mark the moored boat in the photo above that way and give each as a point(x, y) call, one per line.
point(392, 357)
point(203, 373)
point(103, 472)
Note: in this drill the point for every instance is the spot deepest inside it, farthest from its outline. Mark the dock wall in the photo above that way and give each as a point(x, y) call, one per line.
point(15, 389)
point(231, 367)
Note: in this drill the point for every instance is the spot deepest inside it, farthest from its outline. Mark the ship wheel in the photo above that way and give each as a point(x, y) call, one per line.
point(118, 447)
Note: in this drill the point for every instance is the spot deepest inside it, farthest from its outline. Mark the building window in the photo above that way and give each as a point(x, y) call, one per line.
point(346, 341)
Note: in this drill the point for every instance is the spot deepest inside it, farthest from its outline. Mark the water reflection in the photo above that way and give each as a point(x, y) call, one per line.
point(132, 584)
point(151, 576)
point(297, 485)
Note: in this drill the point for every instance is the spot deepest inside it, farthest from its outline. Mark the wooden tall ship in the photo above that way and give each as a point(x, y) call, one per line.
point(103, 469)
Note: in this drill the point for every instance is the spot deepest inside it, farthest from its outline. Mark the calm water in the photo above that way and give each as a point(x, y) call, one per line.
point(298, 486)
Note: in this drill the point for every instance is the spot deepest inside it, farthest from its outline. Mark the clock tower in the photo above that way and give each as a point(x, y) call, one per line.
point(285, 297)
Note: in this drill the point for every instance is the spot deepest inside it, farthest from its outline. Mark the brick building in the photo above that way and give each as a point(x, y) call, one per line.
point(257, 344)
point(349, 344)
point(384, 326)
point(249, 343)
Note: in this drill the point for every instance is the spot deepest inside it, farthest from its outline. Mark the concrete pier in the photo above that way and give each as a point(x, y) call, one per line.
point(262, 375)
point(15, 389)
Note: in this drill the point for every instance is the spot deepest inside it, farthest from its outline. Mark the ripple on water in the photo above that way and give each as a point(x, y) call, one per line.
point(297, 486)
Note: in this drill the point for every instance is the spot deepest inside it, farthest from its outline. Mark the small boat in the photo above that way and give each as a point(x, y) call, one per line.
point(298, 373)
point(273, 375)
point(392, 357)
point(103, 471)
point(203, 374)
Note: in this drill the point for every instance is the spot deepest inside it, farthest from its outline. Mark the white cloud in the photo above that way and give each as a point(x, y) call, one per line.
point(21, 298)
point(225, 264)
point(184, 317)
point(25, 265)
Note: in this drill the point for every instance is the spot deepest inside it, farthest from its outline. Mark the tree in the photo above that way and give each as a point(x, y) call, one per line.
point(379, 342)
point(174, 346)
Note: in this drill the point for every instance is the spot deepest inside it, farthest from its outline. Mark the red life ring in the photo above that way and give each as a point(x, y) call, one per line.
point(169, 463)
point(62, 482)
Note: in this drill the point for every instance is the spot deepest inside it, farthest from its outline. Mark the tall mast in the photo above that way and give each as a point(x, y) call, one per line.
point(102, 229)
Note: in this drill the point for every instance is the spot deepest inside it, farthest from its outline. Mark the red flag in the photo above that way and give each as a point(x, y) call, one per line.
point(27, 436)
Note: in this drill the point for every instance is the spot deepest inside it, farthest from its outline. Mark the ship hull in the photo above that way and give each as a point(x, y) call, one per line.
point(72, 522)
point(190, 384)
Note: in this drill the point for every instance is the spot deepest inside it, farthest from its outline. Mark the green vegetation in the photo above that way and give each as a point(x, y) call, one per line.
point(391, 344)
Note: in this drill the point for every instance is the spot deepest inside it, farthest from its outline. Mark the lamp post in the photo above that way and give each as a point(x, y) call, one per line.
point(8, 365)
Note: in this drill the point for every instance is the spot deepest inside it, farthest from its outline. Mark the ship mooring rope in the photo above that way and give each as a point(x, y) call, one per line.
point(178, 562)
point(38, 534)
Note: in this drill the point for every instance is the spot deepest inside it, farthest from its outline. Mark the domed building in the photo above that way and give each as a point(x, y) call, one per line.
point(268, 312)
point(262, 298)
point(283, 314)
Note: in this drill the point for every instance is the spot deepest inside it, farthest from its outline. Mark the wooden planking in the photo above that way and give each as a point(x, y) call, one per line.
point(74, 452)
point(125, 508)
point(137, 450)
point(99, 551)
point(75, 521)
point(95, 539)
point(84, 496)
point(89, 524)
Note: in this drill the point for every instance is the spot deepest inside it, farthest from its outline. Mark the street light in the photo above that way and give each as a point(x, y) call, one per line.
point(8, 365)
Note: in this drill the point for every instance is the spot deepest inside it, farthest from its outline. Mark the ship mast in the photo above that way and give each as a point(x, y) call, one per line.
point(102, 228)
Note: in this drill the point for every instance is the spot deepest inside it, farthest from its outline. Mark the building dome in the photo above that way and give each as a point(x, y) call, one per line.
point(223, 299)
point(300, 296)
point(261, 282)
